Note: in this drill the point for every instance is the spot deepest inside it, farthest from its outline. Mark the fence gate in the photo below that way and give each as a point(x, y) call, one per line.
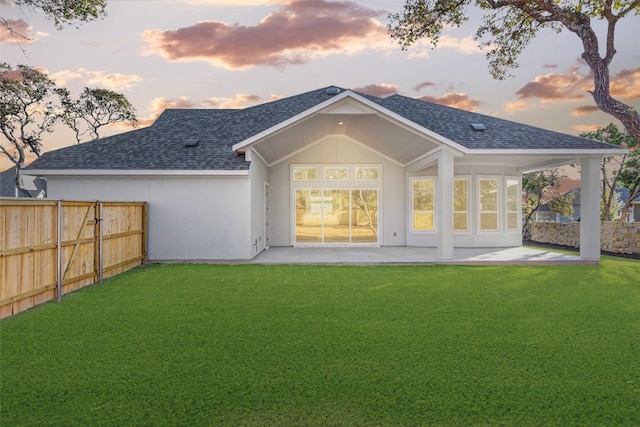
point(50, 248)
point(80, 243)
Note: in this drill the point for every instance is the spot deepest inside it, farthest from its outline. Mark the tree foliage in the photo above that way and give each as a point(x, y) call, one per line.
point(509, 25)
point(618, 171)
point(94, 109)
point(31, 105)
point(64, 12)
point(542, 188)
point(27, 112)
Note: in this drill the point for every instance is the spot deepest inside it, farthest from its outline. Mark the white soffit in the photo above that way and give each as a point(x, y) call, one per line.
point(348, 106)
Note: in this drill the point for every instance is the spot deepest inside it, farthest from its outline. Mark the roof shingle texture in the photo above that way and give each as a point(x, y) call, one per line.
point(161, 145)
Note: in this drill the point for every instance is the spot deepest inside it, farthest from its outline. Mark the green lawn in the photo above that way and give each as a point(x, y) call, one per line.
point(332, 345)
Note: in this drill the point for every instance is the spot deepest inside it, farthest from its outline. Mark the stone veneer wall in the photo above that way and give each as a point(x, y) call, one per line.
point(617, 237)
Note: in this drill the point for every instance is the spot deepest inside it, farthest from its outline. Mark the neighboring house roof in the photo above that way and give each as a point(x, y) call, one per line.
point(33, 186)
point(7, 186)
point(162, 145)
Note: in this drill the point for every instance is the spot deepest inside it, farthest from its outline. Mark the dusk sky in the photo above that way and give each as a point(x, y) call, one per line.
point(234, 54)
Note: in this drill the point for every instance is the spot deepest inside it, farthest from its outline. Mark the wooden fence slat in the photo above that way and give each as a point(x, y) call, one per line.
point(31, 258)
point(32, 248)
point(124, 234)
point(74, 251)
point(28, 294)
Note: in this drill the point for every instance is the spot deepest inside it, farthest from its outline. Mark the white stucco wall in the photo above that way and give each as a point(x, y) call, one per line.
point(200, 218)
point(259, 177)
point(337, 149)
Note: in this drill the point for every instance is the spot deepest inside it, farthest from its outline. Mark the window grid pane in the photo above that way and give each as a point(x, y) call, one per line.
point(513, 204)
point(460, 204)
point(489, 198)
point(301, 173)
point(367, 173)
point(336, 174)
point(423, 204)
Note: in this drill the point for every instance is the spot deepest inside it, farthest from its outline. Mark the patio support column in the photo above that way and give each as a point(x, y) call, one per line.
point(590, 208)
point(444, 209)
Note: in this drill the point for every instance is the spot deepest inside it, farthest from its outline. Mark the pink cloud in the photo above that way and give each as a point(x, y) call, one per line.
point(519, 105)
point(584, 110)
point(113, 81)
point(586, 128)
point(626, 84)
point(456, 100)
point(294, 34)
point(422, 85)
point(573, 86)
point(158, 105)
point(558, 87)
point(241, 100)
point(380, 90)
point(12, 75)
point(16, 31)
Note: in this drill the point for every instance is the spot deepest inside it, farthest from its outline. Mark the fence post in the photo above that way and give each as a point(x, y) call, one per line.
point(101, 243)
point(59, 248)
point(145, 232)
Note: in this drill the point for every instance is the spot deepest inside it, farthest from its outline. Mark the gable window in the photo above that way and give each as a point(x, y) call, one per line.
point(423, 204)
point(305, 173)
point(513, 205)
point(489, 197)
point(336, 174)
point(370, 173)
point(461, 204)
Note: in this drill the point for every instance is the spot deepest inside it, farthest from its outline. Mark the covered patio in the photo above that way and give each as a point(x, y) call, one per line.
point(412, 255)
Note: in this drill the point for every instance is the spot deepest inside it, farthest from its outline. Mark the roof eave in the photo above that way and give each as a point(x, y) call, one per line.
point(137, 172)
point(581, 152)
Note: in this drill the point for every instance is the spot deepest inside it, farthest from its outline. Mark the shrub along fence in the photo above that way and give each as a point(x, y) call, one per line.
point(49, 248)
point(615, 236)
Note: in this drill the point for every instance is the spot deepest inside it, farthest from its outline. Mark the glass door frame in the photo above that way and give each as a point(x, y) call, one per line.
point(319, 181)
point(351, 211)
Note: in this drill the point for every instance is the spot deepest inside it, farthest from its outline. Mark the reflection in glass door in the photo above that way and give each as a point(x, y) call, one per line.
point(309, 216)
point(335, 208)
point(364, 225)
point(336, 216)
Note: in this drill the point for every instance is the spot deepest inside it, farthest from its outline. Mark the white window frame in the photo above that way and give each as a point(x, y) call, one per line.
point(412, 229)
point(499, 202)
point(469, 199)
point(518, 210)
point(357, 169)
point(328, 168)
point(293, 173)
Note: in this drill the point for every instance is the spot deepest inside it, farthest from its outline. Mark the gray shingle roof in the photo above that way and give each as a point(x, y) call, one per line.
point(161, 146)
point(454, 124)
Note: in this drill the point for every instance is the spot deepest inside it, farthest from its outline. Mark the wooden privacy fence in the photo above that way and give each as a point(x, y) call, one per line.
point(49, 248)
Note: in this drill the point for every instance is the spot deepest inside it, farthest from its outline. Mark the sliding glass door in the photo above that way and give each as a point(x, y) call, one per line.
point(335, 217)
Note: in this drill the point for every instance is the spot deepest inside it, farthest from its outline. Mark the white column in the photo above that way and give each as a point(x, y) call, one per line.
point(590, 209)
point(444, 214)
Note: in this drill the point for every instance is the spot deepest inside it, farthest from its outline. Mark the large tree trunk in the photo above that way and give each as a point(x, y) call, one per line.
point(581, 26)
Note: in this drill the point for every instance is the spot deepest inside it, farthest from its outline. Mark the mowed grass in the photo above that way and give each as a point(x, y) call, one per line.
point(237, 345)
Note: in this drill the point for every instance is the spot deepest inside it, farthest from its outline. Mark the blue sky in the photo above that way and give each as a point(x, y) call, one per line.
point(233, 54)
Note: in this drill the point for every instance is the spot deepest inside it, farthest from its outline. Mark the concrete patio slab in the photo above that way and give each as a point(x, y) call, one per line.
point(409, 255)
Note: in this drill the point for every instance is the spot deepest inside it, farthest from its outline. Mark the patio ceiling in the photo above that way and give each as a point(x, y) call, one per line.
point(393, 140)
